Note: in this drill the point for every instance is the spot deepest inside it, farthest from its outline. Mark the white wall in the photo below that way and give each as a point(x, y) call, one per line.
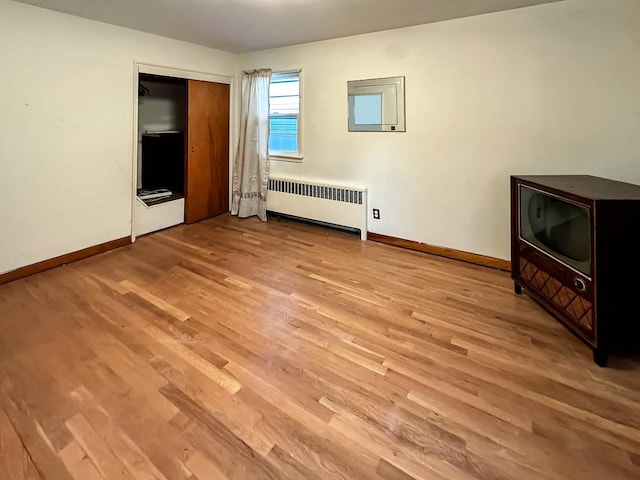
point(541, 90)
point(66, 127)
point(548, 89)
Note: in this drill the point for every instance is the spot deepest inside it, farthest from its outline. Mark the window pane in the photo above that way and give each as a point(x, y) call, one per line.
point(290, 87)
point(284, 105)
point(284, 109)
point(284, 134)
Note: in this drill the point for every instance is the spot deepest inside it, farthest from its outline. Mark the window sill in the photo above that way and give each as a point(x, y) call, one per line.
point(287, 158)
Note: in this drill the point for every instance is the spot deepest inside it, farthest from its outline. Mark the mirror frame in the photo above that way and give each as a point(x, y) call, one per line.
point(371, 84)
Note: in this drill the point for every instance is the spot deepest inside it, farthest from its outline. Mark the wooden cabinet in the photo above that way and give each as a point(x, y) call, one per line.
point(574, 248)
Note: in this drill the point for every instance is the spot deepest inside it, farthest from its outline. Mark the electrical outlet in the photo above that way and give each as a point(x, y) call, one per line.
point(376, 213)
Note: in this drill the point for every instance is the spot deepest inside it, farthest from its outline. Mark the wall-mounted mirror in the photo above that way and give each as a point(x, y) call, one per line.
point(376, 105)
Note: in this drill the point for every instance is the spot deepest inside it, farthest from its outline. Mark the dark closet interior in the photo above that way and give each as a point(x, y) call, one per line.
point(162, 123)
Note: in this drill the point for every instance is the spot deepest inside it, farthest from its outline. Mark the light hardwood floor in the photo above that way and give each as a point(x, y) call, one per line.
point(233, 349)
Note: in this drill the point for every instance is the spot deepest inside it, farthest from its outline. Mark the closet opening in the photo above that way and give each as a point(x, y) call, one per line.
point(181, 148)
point(162, 125)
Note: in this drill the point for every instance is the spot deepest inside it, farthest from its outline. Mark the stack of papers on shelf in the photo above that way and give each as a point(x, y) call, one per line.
point(154, 194)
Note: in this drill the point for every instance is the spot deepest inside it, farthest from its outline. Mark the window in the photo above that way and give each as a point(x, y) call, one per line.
point(284, 115)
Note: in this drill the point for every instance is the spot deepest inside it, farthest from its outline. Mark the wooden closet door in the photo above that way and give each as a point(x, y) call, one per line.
point(207, 166)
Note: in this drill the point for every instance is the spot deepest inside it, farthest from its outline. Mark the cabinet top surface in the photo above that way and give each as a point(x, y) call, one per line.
point(586, 186)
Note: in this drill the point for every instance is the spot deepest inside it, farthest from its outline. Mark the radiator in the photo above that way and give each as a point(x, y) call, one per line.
point(336, 204)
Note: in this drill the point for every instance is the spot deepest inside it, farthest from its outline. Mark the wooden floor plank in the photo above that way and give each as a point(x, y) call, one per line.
point(236, 349)
point(100, 454)
point(45, 461)
point(78, 463)
point(15, 462)
point(151, 298)
point(204, 468)
point(123, 447)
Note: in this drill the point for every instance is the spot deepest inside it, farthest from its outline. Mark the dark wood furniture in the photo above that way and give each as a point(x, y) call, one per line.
point(601, 305)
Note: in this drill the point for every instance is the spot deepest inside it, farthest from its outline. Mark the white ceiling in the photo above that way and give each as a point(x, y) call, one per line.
point(248, 25)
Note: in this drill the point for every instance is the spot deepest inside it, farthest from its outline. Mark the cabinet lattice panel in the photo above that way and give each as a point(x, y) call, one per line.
point(578, 308)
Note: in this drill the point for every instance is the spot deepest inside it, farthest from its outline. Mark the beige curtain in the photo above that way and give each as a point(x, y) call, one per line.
point(251, 166)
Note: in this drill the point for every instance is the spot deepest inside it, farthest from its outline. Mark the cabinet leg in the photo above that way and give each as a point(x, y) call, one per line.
point(517, 288)
point(600, 357)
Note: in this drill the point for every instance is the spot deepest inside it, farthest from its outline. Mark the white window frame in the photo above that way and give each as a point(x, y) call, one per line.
point(293, 156)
